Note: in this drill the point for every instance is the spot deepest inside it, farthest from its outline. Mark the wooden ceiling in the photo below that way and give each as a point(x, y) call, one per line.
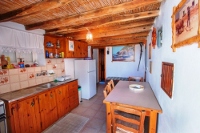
point(112, 22)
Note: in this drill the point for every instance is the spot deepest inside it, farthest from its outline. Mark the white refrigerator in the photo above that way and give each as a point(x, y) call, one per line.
point(85, 72)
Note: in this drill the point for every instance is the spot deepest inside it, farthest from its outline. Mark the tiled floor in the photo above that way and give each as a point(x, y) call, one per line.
point(95, 110)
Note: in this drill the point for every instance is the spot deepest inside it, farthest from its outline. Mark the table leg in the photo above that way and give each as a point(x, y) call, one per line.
point(108, 118)
point(152, 122)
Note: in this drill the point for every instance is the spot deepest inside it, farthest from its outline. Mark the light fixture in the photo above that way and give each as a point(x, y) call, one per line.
point(108, 51)
point(89, 36)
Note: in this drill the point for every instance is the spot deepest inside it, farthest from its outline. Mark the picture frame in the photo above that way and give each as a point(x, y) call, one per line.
point(71, 45)
point(185, 24)
point(159, 37)
point(150, 50)
point(124, 53)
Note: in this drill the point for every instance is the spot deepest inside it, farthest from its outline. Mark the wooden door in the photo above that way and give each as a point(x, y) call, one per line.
point(26, 116)
point(48, 110)
point(62, 100)
point(102, 65)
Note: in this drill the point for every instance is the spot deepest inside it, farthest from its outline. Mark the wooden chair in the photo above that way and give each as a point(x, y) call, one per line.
point(125, 119)
point(111, 83)
point(106, 90)
point(140, 79)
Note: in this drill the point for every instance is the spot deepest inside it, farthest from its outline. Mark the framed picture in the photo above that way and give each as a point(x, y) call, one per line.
point(150, 49)
point(159, 37)
point(185, 24)
point(123, 53)
point(71, 45)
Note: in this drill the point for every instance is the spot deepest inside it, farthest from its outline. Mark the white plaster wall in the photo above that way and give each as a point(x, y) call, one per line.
point(125, 69)
point(69, 67)
point(181, 113)
point(96, 57)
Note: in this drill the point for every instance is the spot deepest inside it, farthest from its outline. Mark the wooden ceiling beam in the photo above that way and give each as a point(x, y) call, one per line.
point(136, 35)
point(113, 33)
point(91, 14)
point(117, 41)
point(35, 8)
point(102, 23)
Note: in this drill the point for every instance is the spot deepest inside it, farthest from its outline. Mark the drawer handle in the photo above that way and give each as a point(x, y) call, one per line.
point(32, 103)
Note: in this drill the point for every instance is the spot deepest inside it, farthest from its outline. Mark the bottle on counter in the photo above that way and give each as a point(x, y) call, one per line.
point(21, 63)
point(47, 54)
point(58, 44)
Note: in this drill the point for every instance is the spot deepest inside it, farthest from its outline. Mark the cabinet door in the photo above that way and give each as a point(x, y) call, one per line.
point(69, 53)
point(73, 95)
point(48, 109)
point(26, 116)
point(84, 49)
point(78, 52)
point(62, 100)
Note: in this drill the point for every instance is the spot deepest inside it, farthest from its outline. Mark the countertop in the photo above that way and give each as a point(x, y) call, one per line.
point(19, 94)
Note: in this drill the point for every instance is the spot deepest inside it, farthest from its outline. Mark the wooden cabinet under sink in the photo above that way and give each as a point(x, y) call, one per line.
point(25, 116)
point(48, 108)
point(35, 113)
point(62, 97)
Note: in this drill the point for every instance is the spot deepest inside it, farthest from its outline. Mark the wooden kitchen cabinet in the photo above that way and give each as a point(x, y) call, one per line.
point(48, 108)
point(73, 95)
point(26, 116)
point(62, 98)
point(53, 40)
point(80, 49)
point(33, 114)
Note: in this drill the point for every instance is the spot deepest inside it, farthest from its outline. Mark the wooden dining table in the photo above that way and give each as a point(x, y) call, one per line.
point(141, 99)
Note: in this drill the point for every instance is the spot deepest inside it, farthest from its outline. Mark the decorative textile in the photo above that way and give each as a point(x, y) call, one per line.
point(12, 40)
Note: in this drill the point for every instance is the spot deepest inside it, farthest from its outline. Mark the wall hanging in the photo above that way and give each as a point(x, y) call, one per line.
point(167, 78)
point(159, 37)
point(185, 24)
point(123, 53)
point(153, 40)
point(150, 49)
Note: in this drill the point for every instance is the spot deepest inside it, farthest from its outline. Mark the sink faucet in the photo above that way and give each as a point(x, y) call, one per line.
point(43, 72)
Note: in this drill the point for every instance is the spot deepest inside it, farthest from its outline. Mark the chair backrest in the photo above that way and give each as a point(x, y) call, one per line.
point(111, 83)
point(106, 90)
point(140, 79)
point(127, 119)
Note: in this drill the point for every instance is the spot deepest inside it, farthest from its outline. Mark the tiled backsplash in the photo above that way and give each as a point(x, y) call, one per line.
point(15, 79)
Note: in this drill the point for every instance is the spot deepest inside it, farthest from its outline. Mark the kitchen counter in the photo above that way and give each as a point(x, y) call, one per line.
point(19, 94)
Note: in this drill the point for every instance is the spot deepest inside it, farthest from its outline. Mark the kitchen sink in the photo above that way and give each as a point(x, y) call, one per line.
point(47, 85)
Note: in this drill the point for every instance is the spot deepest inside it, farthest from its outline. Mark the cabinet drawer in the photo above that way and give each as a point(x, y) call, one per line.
point(73, 84)
point(73, 98)
point(73, 104)
point(73, 91)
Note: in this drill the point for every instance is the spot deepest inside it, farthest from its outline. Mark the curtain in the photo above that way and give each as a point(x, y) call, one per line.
point(12, 40)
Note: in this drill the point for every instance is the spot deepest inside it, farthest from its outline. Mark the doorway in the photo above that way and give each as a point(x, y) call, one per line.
point(101, 65)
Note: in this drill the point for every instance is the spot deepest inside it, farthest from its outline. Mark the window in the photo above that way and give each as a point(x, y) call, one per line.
point(167, 78)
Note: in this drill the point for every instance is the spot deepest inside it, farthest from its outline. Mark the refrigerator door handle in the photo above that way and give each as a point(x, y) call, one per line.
point(91, 71)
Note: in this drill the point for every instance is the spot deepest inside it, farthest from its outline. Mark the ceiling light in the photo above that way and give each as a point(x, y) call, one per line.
point(89, 36)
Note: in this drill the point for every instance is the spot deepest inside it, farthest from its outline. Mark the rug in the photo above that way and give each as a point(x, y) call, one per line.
point(71, 123)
